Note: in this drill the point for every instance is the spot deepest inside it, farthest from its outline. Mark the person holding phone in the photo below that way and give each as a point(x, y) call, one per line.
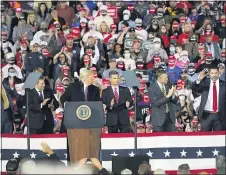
point(162, 97)
point(213, 99)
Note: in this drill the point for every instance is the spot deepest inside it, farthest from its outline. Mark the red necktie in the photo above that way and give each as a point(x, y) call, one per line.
point(116, 95)
point(214, 97)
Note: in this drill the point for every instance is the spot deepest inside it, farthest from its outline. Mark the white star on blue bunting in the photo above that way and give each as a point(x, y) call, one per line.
point(16, 155)
point(114, 154)
point(215, 152)
point(149, 153)
point(167, 153)
point(132, 154)
point(183, 153)
point(199, 153)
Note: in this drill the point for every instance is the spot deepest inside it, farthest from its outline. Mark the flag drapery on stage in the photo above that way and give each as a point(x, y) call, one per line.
point(165, 150)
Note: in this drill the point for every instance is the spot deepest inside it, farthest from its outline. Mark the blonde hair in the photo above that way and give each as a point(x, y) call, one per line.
point(28, 17)
point(84, 74)
point(187, 23)
point(102, 23)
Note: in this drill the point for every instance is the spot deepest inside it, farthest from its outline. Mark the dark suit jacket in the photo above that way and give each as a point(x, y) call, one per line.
point(203, 87)
point(158, 102)
point(119, 111)
point(38, 114)
point(75, 92)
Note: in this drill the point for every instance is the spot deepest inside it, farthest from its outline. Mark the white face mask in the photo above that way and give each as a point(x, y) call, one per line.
point(66, 32)
point(126, 17)
point(157, 45)
point(12, 74)
point(127, 55)
point(172, 49)
point(23, 48)
point(184, 58)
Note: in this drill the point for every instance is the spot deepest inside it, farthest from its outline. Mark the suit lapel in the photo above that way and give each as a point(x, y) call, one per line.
point(159, 91)
point(221, 94)
point(120, 89)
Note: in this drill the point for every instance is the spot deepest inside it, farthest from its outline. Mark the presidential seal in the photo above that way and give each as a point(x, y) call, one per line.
point(83, 112)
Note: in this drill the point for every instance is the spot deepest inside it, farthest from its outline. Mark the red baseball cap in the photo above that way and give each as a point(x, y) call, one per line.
point(171, 57)
point(51, 26)
point(173, 37)
point(209, 54)
point(76, 31)
point(70, 36)
point(113, 26)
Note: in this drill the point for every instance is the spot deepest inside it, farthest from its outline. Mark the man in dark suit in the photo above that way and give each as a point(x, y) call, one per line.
point(212, 111)
point(162, 99)
point(83, 90)
point(41, 118)
point(117, 100)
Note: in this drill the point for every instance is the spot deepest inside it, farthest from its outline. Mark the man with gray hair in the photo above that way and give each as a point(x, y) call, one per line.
point(183, 169)
point(220, 164)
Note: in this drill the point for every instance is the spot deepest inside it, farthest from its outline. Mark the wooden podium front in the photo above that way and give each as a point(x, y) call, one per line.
point(83, 143)
point(84, 121)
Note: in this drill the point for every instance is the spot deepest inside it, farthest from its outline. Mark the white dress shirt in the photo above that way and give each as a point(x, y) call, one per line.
point(209, 102)
point(85, 86)
point(117, 88)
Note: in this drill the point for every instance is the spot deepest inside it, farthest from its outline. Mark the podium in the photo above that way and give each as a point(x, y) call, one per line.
point(83, 121)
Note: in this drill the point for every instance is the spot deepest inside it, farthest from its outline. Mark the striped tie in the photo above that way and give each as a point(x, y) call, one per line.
point(164, 93)
point(116, 95)
point(86, 93)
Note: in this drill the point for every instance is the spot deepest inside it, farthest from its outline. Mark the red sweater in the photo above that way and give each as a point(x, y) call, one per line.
point(182, 37)
point(165, 40)
point(202, 39)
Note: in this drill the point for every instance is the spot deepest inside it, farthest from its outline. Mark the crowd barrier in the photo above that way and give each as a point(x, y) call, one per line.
point(165, 150)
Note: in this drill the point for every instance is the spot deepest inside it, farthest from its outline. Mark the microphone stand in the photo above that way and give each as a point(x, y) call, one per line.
point(135, 119)
point(28, 122)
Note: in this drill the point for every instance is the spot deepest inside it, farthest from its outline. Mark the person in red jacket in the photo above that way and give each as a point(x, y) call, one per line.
point(163, 34)
point(208, 31)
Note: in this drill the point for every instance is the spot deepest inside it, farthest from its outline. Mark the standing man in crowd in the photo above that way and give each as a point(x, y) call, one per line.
point(162, 98)
point(35, 59)
point(117, 100)
point(213, 100)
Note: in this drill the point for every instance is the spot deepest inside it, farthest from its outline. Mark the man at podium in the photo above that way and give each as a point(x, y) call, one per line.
point(83, 90)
